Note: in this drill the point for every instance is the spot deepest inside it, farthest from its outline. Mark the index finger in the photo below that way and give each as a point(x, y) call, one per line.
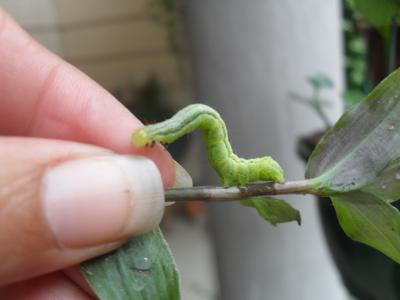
point(43, 96)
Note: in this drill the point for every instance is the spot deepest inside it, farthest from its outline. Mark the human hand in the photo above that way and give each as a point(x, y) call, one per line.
point(63, 201)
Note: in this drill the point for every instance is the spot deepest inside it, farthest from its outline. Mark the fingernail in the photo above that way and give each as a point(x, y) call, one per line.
point(182, 179)
point(99, 200)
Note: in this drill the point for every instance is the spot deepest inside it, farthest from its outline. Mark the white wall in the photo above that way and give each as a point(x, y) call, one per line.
point(248, 56)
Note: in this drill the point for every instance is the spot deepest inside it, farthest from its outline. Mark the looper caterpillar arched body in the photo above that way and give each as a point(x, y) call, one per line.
point(232, 169)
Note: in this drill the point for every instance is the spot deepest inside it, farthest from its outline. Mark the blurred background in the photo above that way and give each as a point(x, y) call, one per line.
point(280, 73)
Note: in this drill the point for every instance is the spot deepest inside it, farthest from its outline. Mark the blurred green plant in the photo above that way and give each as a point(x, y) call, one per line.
point(379, 13)
point(383, 15)
point(319, 82)
point(356, 56)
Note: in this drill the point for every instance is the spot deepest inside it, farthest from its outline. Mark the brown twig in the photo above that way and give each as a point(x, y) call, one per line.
point(234, 193)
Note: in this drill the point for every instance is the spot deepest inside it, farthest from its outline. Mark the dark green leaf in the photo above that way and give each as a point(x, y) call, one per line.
point(387, 184)
point(273, 210)
point(370, 220)
point(357, 163)
point(362, 144)
point(141, 269)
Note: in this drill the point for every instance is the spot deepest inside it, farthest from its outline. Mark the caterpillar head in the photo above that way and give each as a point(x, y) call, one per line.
point(140, 138)
point(270, 170)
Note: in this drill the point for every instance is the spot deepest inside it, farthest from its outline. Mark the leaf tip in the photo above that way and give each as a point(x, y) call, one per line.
point(298, 218)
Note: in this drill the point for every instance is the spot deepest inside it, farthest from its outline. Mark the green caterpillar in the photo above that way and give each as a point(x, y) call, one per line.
point(231, 169)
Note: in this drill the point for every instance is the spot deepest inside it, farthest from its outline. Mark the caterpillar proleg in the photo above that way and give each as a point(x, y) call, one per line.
point(232, 169)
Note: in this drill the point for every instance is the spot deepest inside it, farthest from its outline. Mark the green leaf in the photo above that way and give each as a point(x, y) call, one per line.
point(273, 210)
point(357, 164)
point(362, 143)
point(370, 220)
point(386, 185)
point(378, 13)
point(141, 269)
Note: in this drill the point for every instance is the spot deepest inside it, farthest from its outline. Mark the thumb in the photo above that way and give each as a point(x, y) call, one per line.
point(62, 203)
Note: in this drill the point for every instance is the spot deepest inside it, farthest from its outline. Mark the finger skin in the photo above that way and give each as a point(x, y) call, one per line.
point(27, 244)
point(47, 287)
point(43, 96)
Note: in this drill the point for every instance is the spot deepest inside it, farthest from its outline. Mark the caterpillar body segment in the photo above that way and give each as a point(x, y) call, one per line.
point(231, 169)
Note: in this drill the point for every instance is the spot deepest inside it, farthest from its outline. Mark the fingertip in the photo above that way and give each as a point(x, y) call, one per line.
point(163, 160)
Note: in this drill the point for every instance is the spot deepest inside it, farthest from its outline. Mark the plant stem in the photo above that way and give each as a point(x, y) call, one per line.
point(234, 193)
point(318, 108)
point(392, 46)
